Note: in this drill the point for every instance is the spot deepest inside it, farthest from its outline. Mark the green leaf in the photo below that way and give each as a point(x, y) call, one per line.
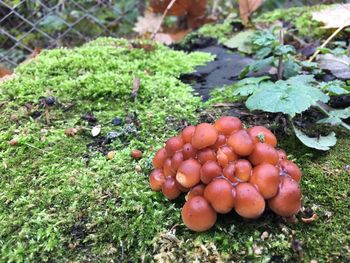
point(256, 66)
point(248, 86)
point(292, 96)
point(335, 87)
point(320, 143)
point(241, 41)
point(290, 69)
point(343, 114)
point(284, 50)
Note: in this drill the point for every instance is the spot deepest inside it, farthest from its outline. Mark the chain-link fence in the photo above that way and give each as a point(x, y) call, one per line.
point(26, 25)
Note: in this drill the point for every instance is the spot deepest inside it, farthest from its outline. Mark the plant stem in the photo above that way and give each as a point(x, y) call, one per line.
point(327, 41)
point(162, 19)
point(280, 59)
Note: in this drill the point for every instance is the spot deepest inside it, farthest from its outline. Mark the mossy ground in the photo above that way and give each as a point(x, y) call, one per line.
point(60, 201)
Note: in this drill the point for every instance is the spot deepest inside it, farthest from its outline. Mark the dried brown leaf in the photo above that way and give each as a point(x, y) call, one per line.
point(4, 71)
point(70, 132)
point(334, 16)
point(247, 7)
point(310, 219)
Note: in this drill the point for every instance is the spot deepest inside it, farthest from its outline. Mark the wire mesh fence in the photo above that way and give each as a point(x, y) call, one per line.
point(28, 25)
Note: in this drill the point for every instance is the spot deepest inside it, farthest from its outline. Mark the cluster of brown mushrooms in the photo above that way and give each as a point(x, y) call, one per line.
point(223, 167)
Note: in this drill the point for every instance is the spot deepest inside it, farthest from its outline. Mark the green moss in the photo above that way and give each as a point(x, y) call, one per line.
point(300, 17)
point(222, 31)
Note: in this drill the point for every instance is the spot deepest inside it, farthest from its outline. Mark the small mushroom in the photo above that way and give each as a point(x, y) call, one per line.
point(198, 215)
point(225, 155)
point(264, 153)
point(219, 194)
point(291, 169)
point(209, 171)
point(136, 154)
point(241, 143)
point(189, 151)
point(206, 155)
point(229, 172)
point(220, 141)
point(227, 125)
point(262, 134)
point(167, 168)
point(205, 135)
point(287, 202)
point(243, 170)
point(281, 154)
point(159, 158)
point(173, 145)
point(176, 160)
point(198, 190)
point(266, 177)
point(187, 133)
point(188, 174)
point(156, 179)
point(170, 189)
point(249, 203)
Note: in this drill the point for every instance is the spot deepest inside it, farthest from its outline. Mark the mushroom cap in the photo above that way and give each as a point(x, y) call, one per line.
point(187, 134)
point(268, 137)
point(287, 202)
point(173, 145)
point(167, 168)
point(267, 178)
point(205, 135)
point(156, 179)
point(176, 160)
point(228, 124)
point(229, 172)
point(220, 141)
point(198, 215)
point(263, 153)
point(291, 169)
point(198, 190)
point(170, 189)
point(189, 151)
point(281, 154)
point(188, 174)
point(159, 158)
point(241, 142)
point(220, 195)
point(206, 155)
point(243, 170)
point(249, 203)
point(225, 155)
point(209, 171)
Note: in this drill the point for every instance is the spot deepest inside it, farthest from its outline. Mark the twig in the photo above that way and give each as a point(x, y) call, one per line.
point(162, 19)
point(327, 41)
point(280, 59)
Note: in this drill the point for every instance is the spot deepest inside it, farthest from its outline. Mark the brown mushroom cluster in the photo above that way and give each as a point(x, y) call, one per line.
point(223, 167)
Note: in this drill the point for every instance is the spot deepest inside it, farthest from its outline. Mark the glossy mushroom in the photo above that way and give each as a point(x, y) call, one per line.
point(198, 190)
point(187, 134)
point(287, 202)
point(249, 203)
point(241, 143)
point(263, 153)
point(266, 177)
point(205, 135)
point(159, 158)
point(173, 145)
point(170, 189)
point(291, 169)
point(220, 195)
point(228, 124)
point(209, 171)
point(198, 215)
point(188, 174)
point(243, 170)
point(156, 179)
point(262, 134)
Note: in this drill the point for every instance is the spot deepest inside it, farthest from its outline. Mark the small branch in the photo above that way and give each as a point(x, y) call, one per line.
point(162, 19)
point(280, 59)
point(336, 32)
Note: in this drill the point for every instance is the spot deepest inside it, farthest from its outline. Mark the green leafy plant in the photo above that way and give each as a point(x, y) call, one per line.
point(294, 96)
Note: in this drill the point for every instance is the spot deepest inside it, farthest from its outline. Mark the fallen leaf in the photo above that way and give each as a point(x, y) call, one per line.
point(35, 52)
point(334, 16)
point(310, 219)
point(95, 131)
point(70, 132)
point(338, 65)
point(170, 38)
point(247, 7)
point(148, 23)
point(241, 41)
